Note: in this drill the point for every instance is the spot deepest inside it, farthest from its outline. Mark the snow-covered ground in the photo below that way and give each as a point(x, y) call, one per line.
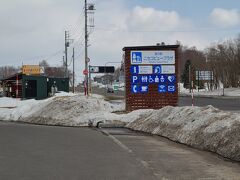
point(232, 92)
point(202, 127)
point(228, 92)
point(100, 85)
point(121, 86)
point(62, 109)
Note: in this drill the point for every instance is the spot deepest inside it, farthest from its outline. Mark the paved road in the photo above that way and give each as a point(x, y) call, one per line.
point(223, 103)
point(58, 153)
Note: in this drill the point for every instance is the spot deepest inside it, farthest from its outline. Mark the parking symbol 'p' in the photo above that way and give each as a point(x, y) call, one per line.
point(135, 79)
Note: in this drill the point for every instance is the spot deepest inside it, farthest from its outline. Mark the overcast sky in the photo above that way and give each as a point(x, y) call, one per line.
point(33, 30)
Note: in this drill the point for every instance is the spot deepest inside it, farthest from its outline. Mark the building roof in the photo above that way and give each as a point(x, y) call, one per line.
point(157, 47)
point(12, 77)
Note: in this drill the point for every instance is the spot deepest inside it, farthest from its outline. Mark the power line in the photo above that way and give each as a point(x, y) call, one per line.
point(75, 28)
point(45, 57)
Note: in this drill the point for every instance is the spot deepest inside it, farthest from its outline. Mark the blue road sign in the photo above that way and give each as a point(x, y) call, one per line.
point(171, 78)
point(151, 79)
point(162, 78)
point(134, 89)
point(171, 88)
point(134, 79)
point(157, 69)
point(157, 79)
point(162, 88)
point(136, 57)
point(143, 79)
point(144, 89)
point(134, 69)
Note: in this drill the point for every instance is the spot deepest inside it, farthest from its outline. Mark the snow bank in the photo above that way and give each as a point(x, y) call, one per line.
point(75, 111)
point(15, 109)
point(63, 109)
point(205, 128)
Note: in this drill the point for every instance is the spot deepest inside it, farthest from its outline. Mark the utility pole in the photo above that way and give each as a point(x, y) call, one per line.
point(88, 9)
point(223, 84)
point(86, 50)
point(66, 46)
point(189, 77)
point(73, 57)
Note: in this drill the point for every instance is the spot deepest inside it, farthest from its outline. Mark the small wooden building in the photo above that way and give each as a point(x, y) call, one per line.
point(32, 86)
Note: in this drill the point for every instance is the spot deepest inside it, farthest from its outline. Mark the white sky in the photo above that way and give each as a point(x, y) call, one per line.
point(33, 30)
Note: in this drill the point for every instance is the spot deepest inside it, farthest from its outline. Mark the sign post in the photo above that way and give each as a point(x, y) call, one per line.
point(204, 76)
point(85, 72)
point(99, 69)
point(151, 76)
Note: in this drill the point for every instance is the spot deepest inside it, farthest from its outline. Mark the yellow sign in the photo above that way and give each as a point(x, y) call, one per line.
point(31, 69)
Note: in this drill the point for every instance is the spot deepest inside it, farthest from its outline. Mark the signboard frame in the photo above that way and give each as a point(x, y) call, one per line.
point(204, 75)
point(101, 69)
point(154, 95)
point(31, 69)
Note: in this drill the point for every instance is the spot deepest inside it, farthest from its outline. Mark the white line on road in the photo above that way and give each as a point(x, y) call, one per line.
point(117, 142)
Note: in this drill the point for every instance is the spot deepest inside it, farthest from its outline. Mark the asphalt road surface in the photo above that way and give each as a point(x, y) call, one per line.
point(223, 103)
point(30, 152)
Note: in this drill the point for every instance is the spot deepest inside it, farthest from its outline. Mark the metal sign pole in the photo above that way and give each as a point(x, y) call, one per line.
point(17, 87)
point(90, 81)
point(192, 93)
point(198, 81)
point(189, 74)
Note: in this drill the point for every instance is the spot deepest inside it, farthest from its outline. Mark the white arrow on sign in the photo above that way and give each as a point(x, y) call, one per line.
point(94, 69)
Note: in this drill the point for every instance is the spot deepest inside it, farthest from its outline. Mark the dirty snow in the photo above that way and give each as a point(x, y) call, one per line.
point(62, 109)
point(201, 127)
point(205, 128)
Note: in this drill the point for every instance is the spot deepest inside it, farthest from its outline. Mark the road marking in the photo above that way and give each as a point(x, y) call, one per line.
point(145, 164)
point(117, 142)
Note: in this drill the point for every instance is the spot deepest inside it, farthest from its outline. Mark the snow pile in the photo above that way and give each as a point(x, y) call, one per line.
point(8, 102)
point(205, 128)
point(63, 109)
point(75, 111)
point(201, 127)
point(15, 109)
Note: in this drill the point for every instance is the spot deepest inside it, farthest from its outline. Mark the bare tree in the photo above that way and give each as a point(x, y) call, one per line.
point(6, 71)
point(224, 61)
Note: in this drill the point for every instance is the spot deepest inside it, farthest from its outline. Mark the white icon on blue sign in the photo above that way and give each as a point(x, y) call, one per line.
point(134, 89)
point(143, 89)
point(162, 88)
point(134, 69)
point(144, 79)
point(171, 88)
point(151, 79)
point(156, 79)
point(136, 57)
point(134, 79)
point(157, 69)
point(162, 78)
point(171, 78)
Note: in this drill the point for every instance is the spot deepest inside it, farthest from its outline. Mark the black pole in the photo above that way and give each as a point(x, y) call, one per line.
point(73, 56)
point(198, 81)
